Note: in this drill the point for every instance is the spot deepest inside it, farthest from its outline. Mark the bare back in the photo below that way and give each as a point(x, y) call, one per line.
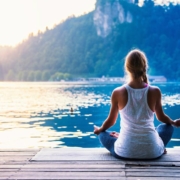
point(152, 97)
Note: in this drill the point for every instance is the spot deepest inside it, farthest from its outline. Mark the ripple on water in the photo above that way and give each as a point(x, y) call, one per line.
point(35, 115)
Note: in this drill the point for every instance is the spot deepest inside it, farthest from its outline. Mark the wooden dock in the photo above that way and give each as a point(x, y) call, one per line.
point(84, 163)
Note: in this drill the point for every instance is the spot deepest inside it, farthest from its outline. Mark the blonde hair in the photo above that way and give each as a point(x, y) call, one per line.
point(136, 65)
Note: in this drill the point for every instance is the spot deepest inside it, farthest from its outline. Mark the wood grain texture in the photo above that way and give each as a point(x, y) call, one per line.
point(81, 163)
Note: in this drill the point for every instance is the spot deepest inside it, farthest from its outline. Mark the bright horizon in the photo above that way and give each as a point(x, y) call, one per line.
point(21, 17)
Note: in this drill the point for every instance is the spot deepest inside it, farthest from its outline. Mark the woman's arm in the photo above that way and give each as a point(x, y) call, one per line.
point(113, 114)
point(161, 116)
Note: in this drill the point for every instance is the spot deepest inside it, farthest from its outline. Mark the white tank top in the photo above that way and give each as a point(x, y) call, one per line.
point(138, 137)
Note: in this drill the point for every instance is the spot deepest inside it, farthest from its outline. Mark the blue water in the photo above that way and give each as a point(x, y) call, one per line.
point(36, 115)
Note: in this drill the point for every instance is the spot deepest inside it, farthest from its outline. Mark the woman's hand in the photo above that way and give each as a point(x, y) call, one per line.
point(177, 123)
point(97, 130)
point(114, 134)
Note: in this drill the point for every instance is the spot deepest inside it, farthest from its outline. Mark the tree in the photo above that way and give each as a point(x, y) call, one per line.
point(38, 76)
point(10, 76)
point(45, 76)
point(31, 76)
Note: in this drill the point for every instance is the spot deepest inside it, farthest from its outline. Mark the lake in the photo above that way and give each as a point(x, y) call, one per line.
point(37, 115)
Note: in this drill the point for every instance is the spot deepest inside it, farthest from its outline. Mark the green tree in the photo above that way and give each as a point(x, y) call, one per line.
point(10, 76)
point(45, 76)
point(31, 76)
point(38, 76)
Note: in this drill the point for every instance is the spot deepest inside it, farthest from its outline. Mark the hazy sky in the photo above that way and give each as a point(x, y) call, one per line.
point(18, 18)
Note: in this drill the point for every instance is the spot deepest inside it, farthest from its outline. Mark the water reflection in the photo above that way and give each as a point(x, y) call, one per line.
point(36, 115)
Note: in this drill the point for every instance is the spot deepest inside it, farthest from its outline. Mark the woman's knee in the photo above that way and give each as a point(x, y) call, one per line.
point(107, 140)
point(165, 131)
point(166, 128)
point(170, 128)
point(103, 136)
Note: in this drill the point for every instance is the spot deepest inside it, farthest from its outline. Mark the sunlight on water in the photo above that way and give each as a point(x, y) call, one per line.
point(27, 99)
point(36, 115)
point(171, 100)
point(25, 107)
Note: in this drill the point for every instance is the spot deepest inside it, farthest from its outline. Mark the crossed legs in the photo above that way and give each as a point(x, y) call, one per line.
point(165, 131)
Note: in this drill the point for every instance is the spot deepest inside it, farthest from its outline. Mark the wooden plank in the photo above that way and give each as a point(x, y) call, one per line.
point(72, 170)
point(93, 154)
point(6, 159)
point(10, 166)
point(69, 175)
point(100, 157)
point(16, 164)
point(4, 178)
point(75, 166)
point(9, 170)
point(154, 170)
point(78, 162)
point(152, 178)
point(64, 178)
point(15, 158)
point(75, 149)
point(19, 150)
point(73, 154)
point(20, 153)
point(153, 174)
point(6, 174)
point(164, 158)
point(152, 167)
point(63, 162)
point(152, 163)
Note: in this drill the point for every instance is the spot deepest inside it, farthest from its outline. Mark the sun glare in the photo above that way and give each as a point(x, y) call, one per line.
point(19, 18)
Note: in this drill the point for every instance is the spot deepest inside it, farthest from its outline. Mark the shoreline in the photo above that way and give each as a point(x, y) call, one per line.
point(83, 82)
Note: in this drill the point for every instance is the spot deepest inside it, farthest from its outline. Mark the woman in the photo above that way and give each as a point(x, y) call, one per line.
point(137, 103)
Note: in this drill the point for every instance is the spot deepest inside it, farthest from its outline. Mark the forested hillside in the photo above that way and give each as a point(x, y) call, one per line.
point(95, 44)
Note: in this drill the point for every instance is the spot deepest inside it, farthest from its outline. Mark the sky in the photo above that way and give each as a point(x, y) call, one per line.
point(18, 18)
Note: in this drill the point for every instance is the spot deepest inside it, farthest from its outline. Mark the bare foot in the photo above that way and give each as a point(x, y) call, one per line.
point(114, 134)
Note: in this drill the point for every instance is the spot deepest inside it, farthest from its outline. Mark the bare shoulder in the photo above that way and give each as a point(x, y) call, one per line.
point(154, 93)
point(154, 90)
point(120, 91)
point(154, 96)
point(120, 96)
